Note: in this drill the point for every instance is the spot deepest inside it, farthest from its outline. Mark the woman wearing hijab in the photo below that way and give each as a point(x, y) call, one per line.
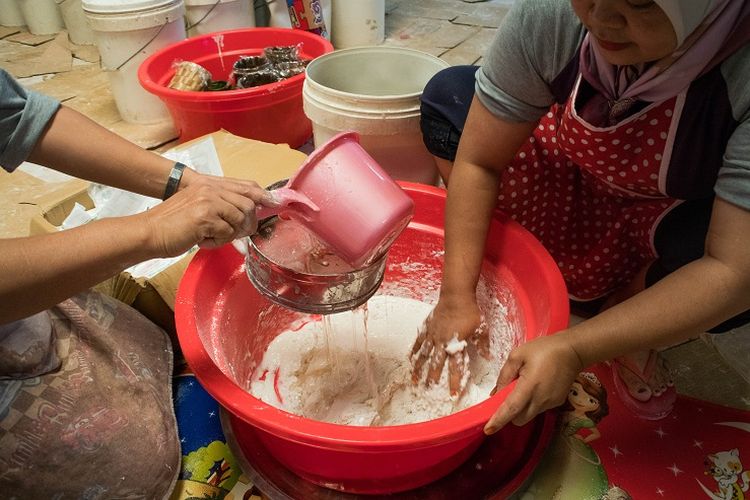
point(618, 133)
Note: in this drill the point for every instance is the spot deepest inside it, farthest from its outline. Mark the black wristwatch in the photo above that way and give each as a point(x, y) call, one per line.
point(175, 176)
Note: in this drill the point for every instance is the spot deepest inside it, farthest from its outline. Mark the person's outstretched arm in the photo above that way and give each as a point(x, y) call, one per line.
point(696, 297)
point(78, 146)
point(38, 272)
point(487, 145)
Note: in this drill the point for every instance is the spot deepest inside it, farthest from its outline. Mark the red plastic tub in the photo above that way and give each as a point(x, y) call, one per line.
point(270, 113)
point(224, 326)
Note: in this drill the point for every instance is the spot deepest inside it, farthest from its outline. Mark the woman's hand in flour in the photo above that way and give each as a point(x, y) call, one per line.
point(207, 211)
point(444, 336)
point(544, 370)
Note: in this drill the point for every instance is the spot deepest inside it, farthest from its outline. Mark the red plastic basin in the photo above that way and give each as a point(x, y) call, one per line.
point(224, 326)
point(270, 113)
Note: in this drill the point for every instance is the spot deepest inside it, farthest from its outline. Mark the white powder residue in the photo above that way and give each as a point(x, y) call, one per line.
point(219, 39)
point(327, 370)
point(455, 345)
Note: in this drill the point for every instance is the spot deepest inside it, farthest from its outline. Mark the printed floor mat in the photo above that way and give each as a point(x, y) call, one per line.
point(700, 450)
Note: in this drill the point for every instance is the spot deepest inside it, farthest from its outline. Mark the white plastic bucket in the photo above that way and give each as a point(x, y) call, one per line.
point(279, 13)
point(207, 16)
point(42, 16)
point(10, 13)
point(355, 23)
point(127, 32)
point(78, 27)
point(374, 91)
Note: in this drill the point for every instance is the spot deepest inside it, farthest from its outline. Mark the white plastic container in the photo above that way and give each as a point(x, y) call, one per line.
point(279, 12)
point(42, 16)
point(78, 27)
point(207, 16)
point(374, 91)
point(10, 14)
point(127, 32)
point(355, 23)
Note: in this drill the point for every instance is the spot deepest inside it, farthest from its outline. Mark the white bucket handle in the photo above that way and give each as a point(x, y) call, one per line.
point(139, 50)
point(196, 23)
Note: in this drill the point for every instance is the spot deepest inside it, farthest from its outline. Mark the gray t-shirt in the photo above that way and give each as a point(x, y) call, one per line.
point(27, 345)
point(24, 116)
point(537, 40)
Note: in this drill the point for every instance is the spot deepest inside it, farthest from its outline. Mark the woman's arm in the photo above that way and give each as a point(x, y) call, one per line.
point(698, 296)
point(78, 146)
point(487, 145)
point(684, 304)
point(38, 272)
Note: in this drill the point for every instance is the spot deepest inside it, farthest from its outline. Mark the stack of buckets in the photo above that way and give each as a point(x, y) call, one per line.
point(47, 17)
point(355, 23)
point(126, 32)
point(10, 14)
point(373, 90)
point(207, 16)
point(42, 17)
point(78, 27)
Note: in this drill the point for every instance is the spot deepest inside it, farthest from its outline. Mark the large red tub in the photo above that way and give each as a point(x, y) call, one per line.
point(269, 113)
point(224, 326)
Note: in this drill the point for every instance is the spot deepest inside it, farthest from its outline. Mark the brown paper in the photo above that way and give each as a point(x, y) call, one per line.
point(22, 195)
point(88, 53)
point(9, 30)
point(55, 58)
point(27, 38)
point(87, 90)
point(13, 51)
point(82, 80)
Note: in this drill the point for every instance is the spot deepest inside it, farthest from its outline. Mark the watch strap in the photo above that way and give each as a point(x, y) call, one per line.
point(173, 182)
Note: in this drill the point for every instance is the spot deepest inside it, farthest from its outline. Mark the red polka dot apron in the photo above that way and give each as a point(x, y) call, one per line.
point(593, 196)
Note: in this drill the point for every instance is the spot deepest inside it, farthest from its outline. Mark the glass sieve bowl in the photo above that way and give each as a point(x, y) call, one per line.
point(307, 282)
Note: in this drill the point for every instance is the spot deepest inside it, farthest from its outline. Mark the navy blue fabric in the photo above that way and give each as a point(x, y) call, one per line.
point(445, 105)
point(706, 124)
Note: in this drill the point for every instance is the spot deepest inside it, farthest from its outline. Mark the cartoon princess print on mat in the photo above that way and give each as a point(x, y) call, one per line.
point(571, 468)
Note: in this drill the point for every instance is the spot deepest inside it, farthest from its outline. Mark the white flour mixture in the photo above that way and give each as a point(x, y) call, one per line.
point(330, 370)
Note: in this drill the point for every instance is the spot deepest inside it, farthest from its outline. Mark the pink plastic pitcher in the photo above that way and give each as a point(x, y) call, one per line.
point(342, 195)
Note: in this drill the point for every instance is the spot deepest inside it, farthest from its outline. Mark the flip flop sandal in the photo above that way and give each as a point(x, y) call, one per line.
point(634, 381)
point(655, 407)
point(669, 379)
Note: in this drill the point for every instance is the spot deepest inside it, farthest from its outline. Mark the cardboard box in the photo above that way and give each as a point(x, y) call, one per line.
point(154, 297)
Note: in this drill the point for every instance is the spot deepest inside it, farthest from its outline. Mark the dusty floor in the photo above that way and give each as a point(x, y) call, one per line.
point(715, 368)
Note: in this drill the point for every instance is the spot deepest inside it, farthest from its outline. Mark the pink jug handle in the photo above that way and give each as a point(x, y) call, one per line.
point(242, 245)
point(264, 212)
point(289, 201)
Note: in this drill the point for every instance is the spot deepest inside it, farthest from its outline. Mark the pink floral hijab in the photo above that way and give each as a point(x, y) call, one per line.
point(707, 31)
